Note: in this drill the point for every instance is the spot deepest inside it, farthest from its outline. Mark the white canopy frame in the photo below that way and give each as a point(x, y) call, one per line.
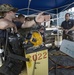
point(68, 5)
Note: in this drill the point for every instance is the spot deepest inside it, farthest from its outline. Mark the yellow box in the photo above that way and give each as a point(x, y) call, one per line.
point(38, 64)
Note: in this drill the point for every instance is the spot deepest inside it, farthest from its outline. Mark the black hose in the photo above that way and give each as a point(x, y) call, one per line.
point(5, 47)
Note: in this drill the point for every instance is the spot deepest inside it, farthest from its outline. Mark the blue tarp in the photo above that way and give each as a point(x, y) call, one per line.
point(36, 6)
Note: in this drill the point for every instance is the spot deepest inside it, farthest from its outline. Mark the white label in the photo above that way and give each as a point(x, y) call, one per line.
point(67, 47)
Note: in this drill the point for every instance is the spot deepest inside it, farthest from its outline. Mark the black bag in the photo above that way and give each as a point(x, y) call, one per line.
point(16, 45)
point(11, 67)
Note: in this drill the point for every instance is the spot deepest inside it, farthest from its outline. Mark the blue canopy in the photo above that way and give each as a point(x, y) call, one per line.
point(35, 6)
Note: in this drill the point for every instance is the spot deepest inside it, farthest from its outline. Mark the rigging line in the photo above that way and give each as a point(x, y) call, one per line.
point(22, 9)
point(67, 6)
point(29, 9)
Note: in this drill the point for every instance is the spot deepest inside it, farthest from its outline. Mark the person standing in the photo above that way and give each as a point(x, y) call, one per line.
point(67, 25)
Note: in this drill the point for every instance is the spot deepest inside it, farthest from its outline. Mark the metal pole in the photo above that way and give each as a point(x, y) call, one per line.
point(28, 6)
point(44, 32)
point(57, 30)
